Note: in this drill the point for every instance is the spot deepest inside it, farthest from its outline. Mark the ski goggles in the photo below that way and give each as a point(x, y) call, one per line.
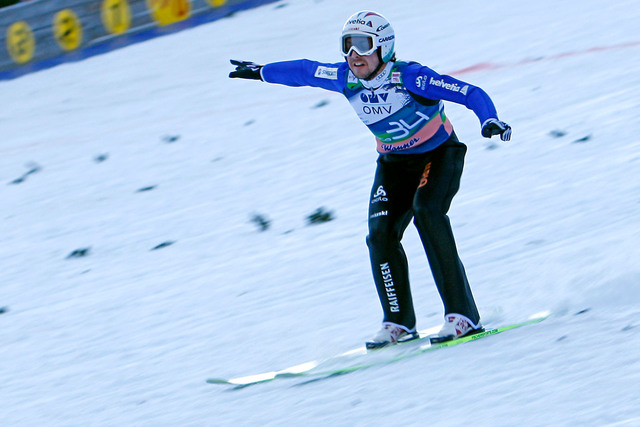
point(363, 44)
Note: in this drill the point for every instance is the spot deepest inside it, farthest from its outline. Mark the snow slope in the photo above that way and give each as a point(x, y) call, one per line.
point(153, 144)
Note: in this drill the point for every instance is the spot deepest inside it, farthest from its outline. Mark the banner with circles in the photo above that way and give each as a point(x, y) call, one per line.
point(34, 33)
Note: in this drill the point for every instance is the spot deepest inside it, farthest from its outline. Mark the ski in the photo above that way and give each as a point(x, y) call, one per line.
point(360, 358)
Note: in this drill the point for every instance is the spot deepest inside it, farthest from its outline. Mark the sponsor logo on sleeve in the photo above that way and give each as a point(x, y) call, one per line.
point(422, 81)
point(328, 73)
point(453, 87)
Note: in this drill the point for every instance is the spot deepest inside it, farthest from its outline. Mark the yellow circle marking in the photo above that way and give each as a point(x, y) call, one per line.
point(67, 29)
point(21, 44)
point(216, 3)
point(166, 12)
point(116, 16)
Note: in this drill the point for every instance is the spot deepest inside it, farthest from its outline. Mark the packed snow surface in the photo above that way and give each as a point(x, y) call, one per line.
point(134, 267)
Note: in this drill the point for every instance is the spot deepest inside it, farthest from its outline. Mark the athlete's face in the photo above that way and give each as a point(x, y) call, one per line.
point(363, 66)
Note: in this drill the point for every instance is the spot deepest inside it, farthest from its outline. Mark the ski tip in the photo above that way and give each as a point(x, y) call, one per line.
point(540, 315)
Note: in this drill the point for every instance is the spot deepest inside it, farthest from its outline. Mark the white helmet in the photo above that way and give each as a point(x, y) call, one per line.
point(367, 31)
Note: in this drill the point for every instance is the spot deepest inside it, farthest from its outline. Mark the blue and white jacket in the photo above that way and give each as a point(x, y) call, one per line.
point(402, 106)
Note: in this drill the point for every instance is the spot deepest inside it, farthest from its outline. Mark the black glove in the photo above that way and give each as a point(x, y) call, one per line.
point(495, 127)
point(246, 70)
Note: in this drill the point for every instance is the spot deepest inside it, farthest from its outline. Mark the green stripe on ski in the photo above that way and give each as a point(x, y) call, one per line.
point(489, 332)
point(421, 349)
point(313, 369)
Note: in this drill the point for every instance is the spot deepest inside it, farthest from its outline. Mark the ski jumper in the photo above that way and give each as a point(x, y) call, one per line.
point(418, 170)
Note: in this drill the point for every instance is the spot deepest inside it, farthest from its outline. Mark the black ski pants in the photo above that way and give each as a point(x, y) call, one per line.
point(418, 186)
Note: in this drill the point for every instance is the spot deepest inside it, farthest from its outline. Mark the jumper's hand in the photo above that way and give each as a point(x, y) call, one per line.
point(246, 70)
point(495, 127)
